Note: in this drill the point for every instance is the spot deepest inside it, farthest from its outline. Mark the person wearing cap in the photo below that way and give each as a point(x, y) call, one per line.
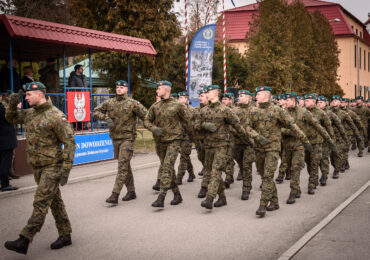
point(360, 127)
point(49, 76)
point(168, 121)
point(314, 157)
point(50, 152)
point(228, 100)
point(216, 119)
point(364, 113)
point(175, 95)
point(340, 139)
point(281, 100)
point(300, 100)
point(186, 144)
point(294, 148)
point(268, 119)
point(348, 125)
point(121, 114)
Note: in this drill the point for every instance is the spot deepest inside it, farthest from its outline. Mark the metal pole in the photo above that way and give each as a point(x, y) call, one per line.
point(91, 97)
point(128, 73)
point(64, 79)
point(11, 64)
point(358, 64)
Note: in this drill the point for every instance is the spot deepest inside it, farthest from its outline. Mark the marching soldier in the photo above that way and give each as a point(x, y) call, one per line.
point(121, 113)
point(364, 113)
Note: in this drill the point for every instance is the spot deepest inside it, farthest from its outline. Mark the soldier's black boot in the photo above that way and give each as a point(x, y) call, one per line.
point(220, 202)
point(20, 245)
point(62, 241)
point(177, 199)
point(159, 203)
point(156, 186)
point(131, 195)
point(113, 199)
point(207, 203)
point(245, 195)
point(343, 168)
point(346, 166)
point(360, 154)
point(239, 177)
point(279, 179)
point(287, 176)
point(273, 206)
point(261, 211)
point(298, 195)
point(368, 149)
point(202, 193)
point(291, 198)
point(323, 181)
point(311, 191)
point(335, 174)
point(191, 177)
point(201, 172)
point(179, 181)
point(353, 147)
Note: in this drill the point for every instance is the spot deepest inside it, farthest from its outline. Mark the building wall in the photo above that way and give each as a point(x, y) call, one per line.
point(241, 46)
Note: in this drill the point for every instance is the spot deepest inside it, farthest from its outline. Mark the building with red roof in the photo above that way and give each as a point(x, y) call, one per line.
point(351, 35)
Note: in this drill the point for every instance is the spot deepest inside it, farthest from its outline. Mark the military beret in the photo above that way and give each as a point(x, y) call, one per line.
point(211, 87)
point(201, 91)
point(299, 97)
point(359, 97)
point(34, 86)
point(354, 100)
point(246, 92)
point(290, 95)
point(336, 97)
point(263, 88)
point(228, 95)
point(122, 83)
point(344, 99)
point(310, 96)
point(281, 96)
point(236, 100)
point(164, 83)
point(322, 98)
point(174, 95)
point(183, 94)
point(273, 97)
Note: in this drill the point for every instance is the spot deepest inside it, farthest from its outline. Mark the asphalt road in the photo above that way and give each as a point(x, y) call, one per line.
point(135, 230)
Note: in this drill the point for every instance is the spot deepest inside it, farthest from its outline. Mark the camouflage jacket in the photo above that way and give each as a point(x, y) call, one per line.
point(47, 130)
point(267, 120)
point(363, 113)
point(347, 122)
point(356, 120)
point(189, 136)
point(198, 134)
point(307, 123)
point(124, 112)
point(339, 131)
point(324, 121)
point(222, 116)
point(171, 117)
point(242, 112)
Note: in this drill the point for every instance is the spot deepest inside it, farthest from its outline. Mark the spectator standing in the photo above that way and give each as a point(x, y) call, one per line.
point(49, 76)
point(5, 77)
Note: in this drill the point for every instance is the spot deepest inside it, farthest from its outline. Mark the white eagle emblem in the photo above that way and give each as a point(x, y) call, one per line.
point(79, 111)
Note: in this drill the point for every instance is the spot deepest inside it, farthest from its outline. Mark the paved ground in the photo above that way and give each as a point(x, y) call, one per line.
point(135, 230)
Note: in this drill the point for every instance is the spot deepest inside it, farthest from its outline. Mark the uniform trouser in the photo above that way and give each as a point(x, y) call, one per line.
point(348, 147)
point(47, 195)
point(284, 164)
point(5, 165)
point(185, 162)
point(215, 163)
point(337, 158)
point(157, 152)
point(168, 153)
point(324, 163)
point(11, 171)
point(312, 160)
point(123, 151)
point(200, 151)
point(230, 162)
point(244, 156)
point(296, 159)
point(267, 163)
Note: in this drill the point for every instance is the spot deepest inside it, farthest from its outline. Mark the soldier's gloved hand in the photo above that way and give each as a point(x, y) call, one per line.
point(110, 123)
point(333, 147)
point(262, 140)
point(308, 147)
point(157, 131)
point(64, 174)
point(210, 127)
point(15, 98)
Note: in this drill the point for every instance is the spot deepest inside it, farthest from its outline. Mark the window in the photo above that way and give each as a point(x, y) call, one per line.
point(356, 32)
point(360, 34)
point(368, 61)
point(359, 58)
point(356, 90)
point(364, 59)
point(355, 55)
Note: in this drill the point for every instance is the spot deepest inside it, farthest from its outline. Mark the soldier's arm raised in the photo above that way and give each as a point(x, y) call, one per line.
point(12, 114)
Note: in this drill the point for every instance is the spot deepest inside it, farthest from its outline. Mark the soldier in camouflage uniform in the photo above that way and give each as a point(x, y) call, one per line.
point(300, 101)
point(166, 119)
point(50, 152)
point(156, 186)
point(268, 119)
point(294, 147)
point(121, 113)
point(357, 121)
point(227, 100)
point(313, 158)
point(364, 113)
point(186, 145)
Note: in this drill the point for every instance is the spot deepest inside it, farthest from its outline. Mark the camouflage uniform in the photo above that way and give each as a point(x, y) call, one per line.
point(170, 116)
point(198, 137)
point(267, 120)
point(364, 114)
point(46, 130)
point(124, 112)
point(229, 170)
point(360, 129)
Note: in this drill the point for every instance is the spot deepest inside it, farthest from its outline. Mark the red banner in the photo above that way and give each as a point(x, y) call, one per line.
point(78, 106)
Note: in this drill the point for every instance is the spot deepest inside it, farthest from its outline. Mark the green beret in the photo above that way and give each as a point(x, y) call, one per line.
point(236, 100)
point(174, 95)
point(246, 92)
point(322, 98)
point(183, 94)
point(310, 96)
point(344, 99)
point(164, 83)
point(34, 86)
point(299, 98)
point(281, 96)
point(273, 97)
point(290, 95)
point(228, 95)
point(202, 91)
point(122, 83)
point(211, 87)
point(354, 100)
point(263, 88)
point(359, 97)
point(336, 97)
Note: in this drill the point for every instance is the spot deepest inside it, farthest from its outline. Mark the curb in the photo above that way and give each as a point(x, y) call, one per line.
point(294, 249)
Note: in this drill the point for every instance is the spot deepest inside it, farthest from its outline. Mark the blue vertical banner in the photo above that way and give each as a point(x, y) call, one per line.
point(201, 61)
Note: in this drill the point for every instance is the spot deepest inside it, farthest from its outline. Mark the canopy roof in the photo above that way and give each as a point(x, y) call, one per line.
point(37, 40)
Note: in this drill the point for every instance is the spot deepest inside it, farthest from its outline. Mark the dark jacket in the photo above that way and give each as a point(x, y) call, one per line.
point(76, 81)
point(5, 80)
point(8, 139)
point(26, 80)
